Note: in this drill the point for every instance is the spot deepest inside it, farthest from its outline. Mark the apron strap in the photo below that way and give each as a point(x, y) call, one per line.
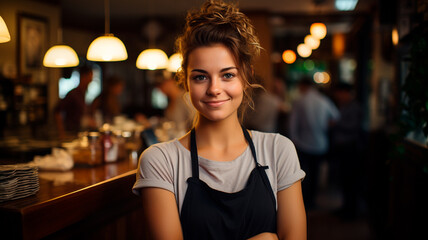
point(260, 168)
point(194, 154)
point(250, 142)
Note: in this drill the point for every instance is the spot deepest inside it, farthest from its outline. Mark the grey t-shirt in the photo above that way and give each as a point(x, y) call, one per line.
point(168, 165)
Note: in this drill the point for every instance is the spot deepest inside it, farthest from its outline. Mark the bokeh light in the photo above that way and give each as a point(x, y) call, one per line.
point(289, 56)
point(312, 41)
point(318, 30)
point(321, 77)
point(309, 65)
point(303, 50)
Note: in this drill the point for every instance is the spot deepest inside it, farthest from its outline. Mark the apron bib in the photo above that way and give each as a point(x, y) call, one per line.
point(211, 214)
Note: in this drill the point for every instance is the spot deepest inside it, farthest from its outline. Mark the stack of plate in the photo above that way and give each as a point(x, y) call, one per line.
point(18, 181)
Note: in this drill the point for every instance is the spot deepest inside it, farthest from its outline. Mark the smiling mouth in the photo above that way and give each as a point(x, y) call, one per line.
point(215, 104)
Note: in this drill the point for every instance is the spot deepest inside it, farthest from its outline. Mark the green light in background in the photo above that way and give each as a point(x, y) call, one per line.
point(309, 65)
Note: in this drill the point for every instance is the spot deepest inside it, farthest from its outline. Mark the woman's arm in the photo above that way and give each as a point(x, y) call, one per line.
point(291, 215)
point(162, 220)
point(265, 236)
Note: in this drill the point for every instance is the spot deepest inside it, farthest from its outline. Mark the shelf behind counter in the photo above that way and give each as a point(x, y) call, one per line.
point(81, 202)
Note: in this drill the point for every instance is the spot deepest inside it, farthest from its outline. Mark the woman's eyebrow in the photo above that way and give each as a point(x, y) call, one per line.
point(228, 68)
point(199, 70)
point(222, 70)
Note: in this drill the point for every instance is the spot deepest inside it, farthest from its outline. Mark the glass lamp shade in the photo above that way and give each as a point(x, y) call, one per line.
point(107, 48)
point(4, 32)
point(303, 50)
point(318, 30)
point(312, 41)
point(60, 56)
point(152, 59)
point(174, 62)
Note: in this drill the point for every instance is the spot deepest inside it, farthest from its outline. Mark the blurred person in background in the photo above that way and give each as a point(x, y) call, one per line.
point(107, 104)
point(267, 106)
point(280, 91)
point(179, 109)
point(71, 110)
point(311, 117)
point(346, 148)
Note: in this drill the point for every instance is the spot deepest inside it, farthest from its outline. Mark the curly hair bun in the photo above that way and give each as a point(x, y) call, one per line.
point(217, 22)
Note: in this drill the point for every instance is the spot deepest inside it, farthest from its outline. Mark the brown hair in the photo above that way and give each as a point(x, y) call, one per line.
point(219, 22)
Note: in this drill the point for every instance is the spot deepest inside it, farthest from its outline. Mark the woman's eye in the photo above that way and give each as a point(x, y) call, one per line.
point(199, 78)
point(228, 75)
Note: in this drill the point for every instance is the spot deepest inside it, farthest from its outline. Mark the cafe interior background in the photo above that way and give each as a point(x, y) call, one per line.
point(376, 45)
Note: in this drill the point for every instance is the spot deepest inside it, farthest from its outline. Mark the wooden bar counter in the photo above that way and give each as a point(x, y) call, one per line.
point(94, 203)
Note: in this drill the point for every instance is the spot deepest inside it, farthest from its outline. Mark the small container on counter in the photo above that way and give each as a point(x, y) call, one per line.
point(89, 150)
point(121, 150)
point(132, 145)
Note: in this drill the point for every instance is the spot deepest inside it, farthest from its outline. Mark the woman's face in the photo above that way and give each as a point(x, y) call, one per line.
point(215, 87)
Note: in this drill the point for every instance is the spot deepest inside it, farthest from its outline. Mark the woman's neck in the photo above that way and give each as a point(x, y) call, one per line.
point(220, 134)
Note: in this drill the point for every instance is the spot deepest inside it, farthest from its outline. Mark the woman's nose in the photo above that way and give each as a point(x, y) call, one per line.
point(214, 87)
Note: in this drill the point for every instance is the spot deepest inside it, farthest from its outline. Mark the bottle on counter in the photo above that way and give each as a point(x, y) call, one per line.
point(110, 145)
point(121, 150)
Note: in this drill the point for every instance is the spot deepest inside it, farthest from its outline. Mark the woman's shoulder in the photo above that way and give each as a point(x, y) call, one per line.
point(166, 149)
point(266, 138)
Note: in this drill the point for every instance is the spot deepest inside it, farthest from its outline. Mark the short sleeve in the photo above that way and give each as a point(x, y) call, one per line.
point(288, 169)
point(154, 170)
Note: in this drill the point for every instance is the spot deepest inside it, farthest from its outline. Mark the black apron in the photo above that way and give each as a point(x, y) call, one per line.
point(211, 214)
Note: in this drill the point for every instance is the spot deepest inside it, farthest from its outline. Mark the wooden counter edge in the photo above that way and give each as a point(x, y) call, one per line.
point(99, 202)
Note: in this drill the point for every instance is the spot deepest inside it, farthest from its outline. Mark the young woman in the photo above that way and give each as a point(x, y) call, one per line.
point(221, 181)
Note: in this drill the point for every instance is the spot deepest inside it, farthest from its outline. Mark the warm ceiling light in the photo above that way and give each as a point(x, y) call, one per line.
point(395, 36)
point(60, 56)
point(312, 42)
point(289, 56)
point(338, 45)
point(4, 32)
point(345, 5)
point(152, 59)
point(318, 30)
point(303, 50)
point(174, 62)
point(107, 48)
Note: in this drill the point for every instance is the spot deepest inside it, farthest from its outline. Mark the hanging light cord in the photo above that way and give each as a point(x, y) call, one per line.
point(107, 16)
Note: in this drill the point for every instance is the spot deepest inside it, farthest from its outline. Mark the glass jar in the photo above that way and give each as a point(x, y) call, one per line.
point(95, 149)
point(89, 151)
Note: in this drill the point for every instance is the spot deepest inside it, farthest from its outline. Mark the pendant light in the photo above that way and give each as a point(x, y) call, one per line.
point(4, 32)
point(60, 55)
point(174, 62)
point(107, 48)
point(152, 58)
